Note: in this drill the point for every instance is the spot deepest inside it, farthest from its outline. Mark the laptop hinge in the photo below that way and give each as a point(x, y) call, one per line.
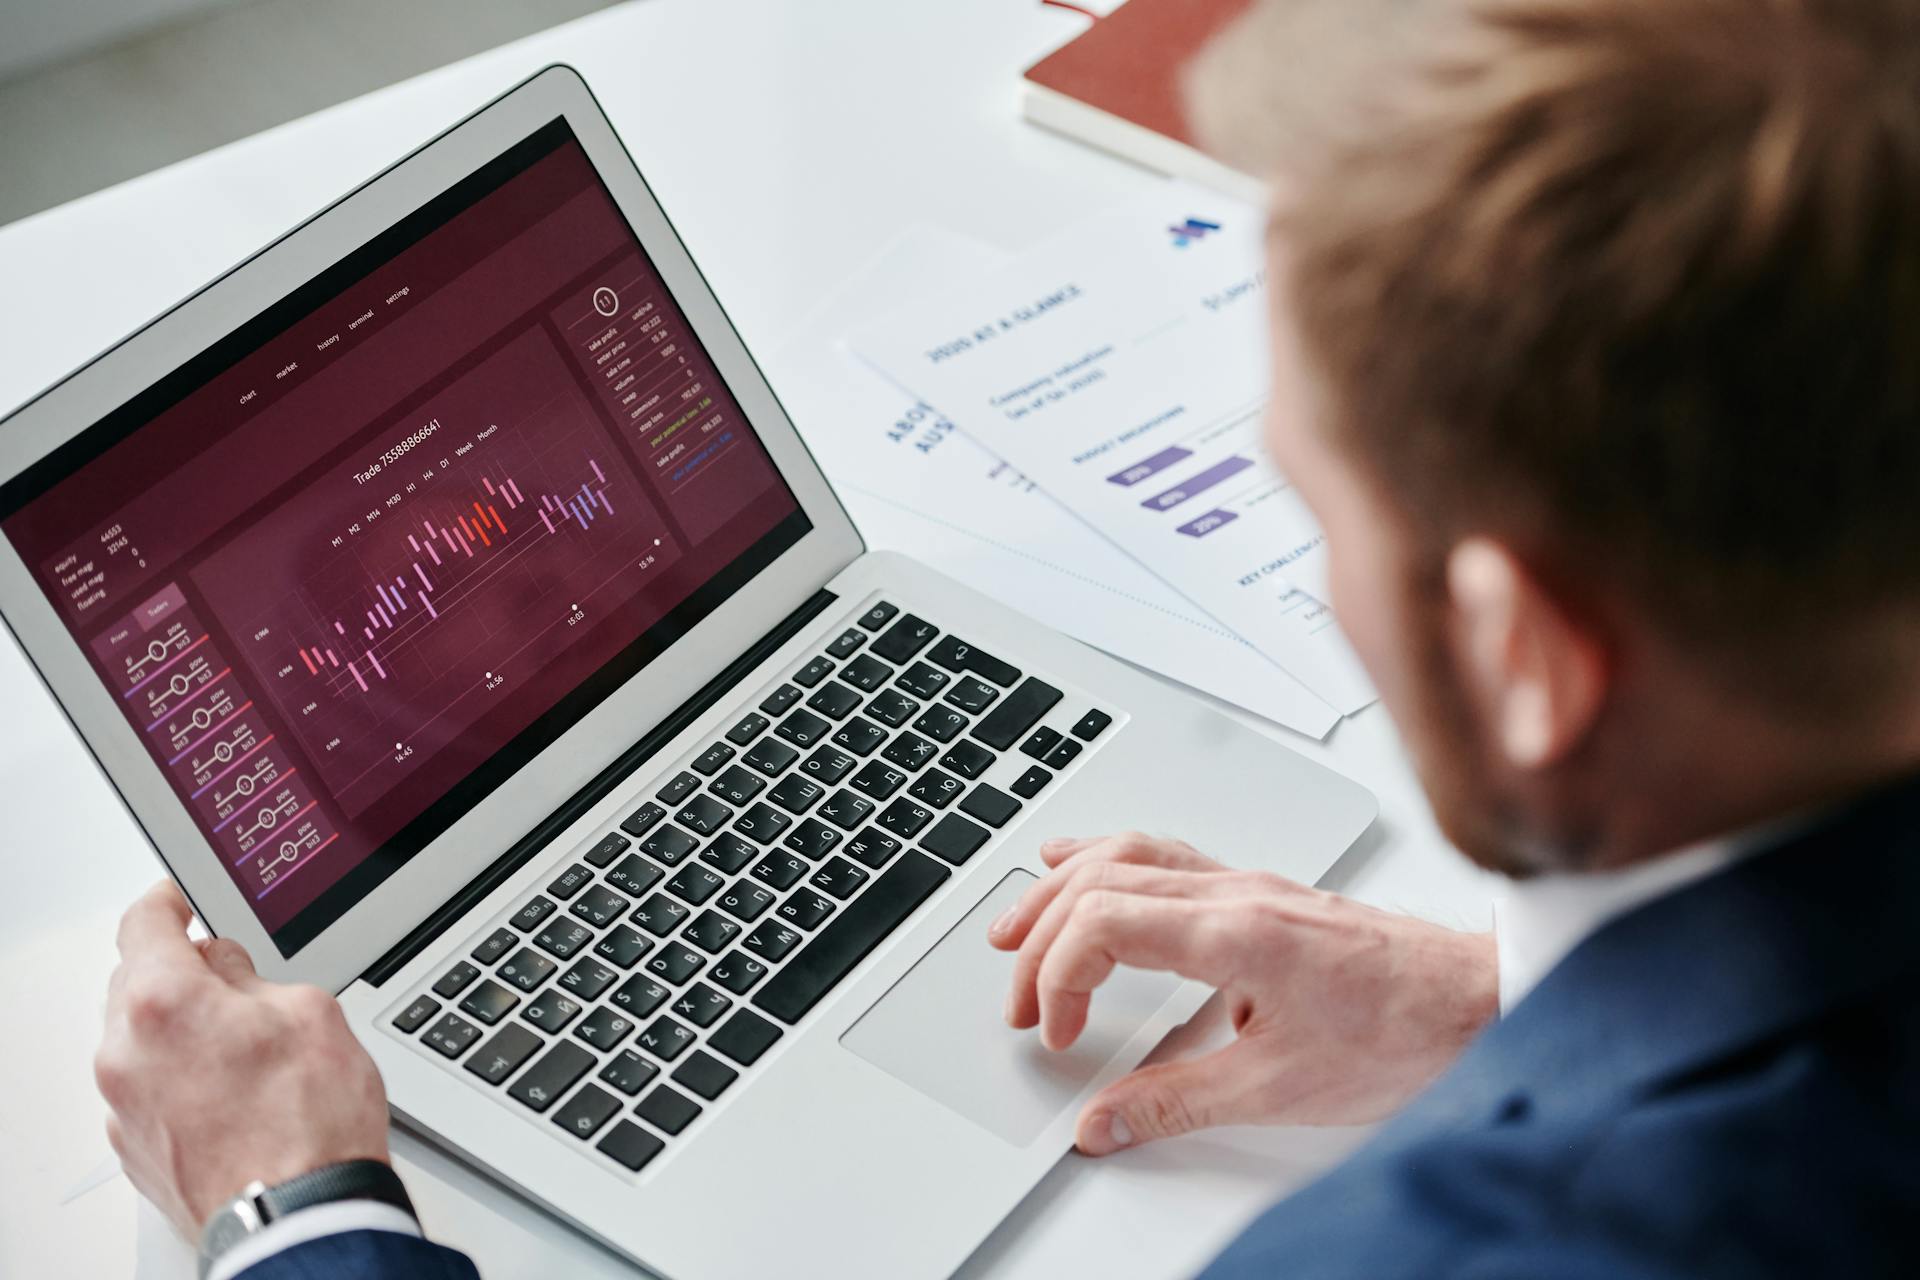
point(543, 835)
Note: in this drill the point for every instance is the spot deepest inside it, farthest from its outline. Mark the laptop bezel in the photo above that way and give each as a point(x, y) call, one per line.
point(350, 944)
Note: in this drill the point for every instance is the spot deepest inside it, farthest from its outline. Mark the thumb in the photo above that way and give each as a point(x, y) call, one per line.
point(229, 961)
point(1164, 1101)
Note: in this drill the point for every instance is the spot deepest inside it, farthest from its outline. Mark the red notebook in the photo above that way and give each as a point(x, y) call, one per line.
point(1117, 87)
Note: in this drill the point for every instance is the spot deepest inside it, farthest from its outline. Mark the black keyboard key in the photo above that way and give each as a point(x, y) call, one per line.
point(530, 916)
point(796, 793)
point(834, 700)
point(1063, 754)
point(703, 815)
point(586, 1111)
point(666, 1110)
point(604, 1028)
point(1041, 741)
point(659, 915)
point(957, 655)
point(866, 673)
point(990, 804)
point(955, 838)
point(803, 728)
point(744, 1038)
point(771, 940)
point(892, 708)
point(701, 1005)
point(878, 616)
point(845, 810)
point(860, 736)
point(670, 845)
point(562, 938)
point(911, 752)
point(845, 643)
point(705, 1074)
point(838, 878)
point(828, 765)
point(781, 870)
point(746, 901)
point(763, 823)
point(634, 875)
point(943, 724)
point(845, 942)
point(811, 839)
point(456, 980)
point(628, 1072)
point(749, 727)
point(682, 785)
point(695, 884)
point(611, 846)
point(872, 848)
point(777, 702)
point(1029, 783)
point(643, 820)
point(711, 932)
point(878, 779)
point(639, 996)
point(737, 972)
point(555, 1073)
point(805, 909)
point(552, 1010)
point(1091, 725)
point(489, 1002)
point(624, 946)
point(936, 788)
point(665, 1039)
point(923, 681)
point(415, 1015)
point(674, 964)
point(570, 882)
point(526, 969)
point(1022, 709)
point(729, 853)
point(813, 673)
point(904, 818)
point(588, 978)
point(600, 906)
point(630, 1145)
point(503, 1053)
point(973, 696)
point(903, 639)
point(771, 757)
point(738, 785)
point(713, 759)
point(452, 1035)
point(968, 758)
point(493, 946)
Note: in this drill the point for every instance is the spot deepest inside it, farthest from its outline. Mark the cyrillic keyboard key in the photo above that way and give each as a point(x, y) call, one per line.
point(551, 1011)
point(872, 848)
point(527, 969)
point(737, 784)
point(639, 995)
point(803, 728)
point(762, 822)
point(552, 1076)
point(828, 765)
point(625, 946)
point(670, 845)
point(866, 673)
point(771, 757)
point(838, 877)
point(968, 758)
point(633, 875)
point(586, 1111)
point(588, 978)
point(737, 972)
point(729, 853)
point(892, 708)
point(628, 1072)
point(936, 787)
point(943, 724)
point(1002, 727)
point(972, 696)
point(503, 1053)
point(845, 942)
point(701, 1005)
point(452, 1035)
point(665, 1039)
point(489, 1002)
point(604, 1028)
point(956, 654)
point(834, 700)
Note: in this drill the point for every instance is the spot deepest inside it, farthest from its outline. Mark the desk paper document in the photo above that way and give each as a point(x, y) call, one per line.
point(914, 483)
point(1122, 365)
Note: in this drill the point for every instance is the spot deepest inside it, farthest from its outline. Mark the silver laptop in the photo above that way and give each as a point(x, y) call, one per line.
point(448, 597)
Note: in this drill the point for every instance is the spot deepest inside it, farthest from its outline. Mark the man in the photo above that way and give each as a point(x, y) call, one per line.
point(1595, 337)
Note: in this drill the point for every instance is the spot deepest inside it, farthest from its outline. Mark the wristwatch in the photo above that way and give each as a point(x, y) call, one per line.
point(258, 1204)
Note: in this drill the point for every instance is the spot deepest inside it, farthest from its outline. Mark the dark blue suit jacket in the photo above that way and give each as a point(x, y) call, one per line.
point(1725, 1082)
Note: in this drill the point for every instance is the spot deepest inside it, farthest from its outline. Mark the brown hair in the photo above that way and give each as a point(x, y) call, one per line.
point(1633, 284)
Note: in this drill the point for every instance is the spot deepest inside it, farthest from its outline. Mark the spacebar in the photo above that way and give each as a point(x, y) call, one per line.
point(816, 967)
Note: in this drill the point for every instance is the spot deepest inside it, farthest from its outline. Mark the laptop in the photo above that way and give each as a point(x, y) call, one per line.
point(450, 601)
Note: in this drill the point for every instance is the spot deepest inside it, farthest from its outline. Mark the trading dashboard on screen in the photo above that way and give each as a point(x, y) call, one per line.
point(359, 560)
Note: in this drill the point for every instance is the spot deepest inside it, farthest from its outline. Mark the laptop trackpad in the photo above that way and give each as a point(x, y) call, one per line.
point(941, 1030)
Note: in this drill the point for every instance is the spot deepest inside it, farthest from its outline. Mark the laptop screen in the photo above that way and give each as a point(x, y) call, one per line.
point(350, 567)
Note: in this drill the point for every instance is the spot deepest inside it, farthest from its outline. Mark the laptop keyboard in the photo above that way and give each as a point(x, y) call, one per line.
point(663, 959)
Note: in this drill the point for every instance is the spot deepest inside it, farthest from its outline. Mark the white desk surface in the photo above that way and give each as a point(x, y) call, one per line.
point(788, 141)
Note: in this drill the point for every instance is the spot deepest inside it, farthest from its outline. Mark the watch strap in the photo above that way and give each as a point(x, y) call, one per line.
point(347, 1180)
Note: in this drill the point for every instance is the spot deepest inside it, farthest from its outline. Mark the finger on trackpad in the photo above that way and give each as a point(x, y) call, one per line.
point(940, 1029)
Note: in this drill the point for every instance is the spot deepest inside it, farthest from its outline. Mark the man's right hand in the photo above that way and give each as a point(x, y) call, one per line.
point(1341, 1012)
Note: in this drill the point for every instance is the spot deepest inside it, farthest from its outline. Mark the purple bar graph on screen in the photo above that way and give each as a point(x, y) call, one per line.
point(381, 587)
point(386, 618)
point(513, 491)
point(369, 631)
point(1201, 526)
point(431, 611)
point(338, 626)
point(414, 541)
point(598, 474)
point(490, 489)
point(1149, 466)
point(1199, 483)
point(423, 575)
point(373, 619)
point(357, 677)
point(433, 551)
point(374, 658)
point(547, 522)
point(331, 660)
point(600, 496)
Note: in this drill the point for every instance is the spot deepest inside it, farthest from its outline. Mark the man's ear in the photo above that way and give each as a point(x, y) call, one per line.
point(1541, 673)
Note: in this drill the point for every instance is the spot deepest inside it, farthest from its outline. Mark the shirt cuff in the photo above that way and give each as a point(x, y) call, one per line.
point(310, 1224)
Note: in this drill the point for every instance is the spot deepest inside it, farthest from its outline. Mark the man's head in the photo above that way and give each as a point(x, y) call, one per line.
point(1597, 346)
